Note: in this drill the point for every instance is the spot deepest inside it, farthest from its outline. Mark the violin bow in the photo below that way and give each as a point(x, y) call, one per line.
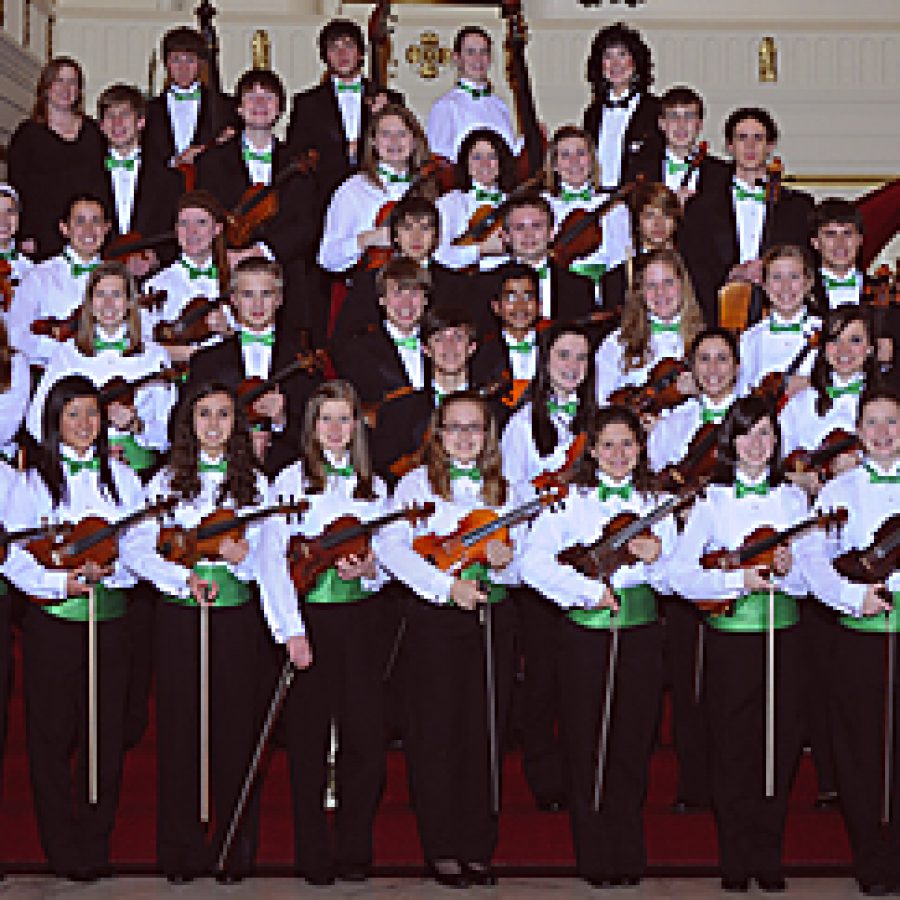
point(612, 665)
point(487, 620)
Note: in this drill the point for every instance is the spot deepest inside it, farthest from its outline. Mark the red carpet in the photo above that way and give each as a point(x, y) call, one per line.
point(529, 841)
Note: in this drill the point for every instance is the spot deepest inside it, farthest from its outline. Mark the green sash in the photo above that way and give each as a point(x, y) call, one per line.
point(232, 591)
point(637, 606)
point(751, 613)
point(877, 624)
point(137, 457)
point(109, 603)
point(594, 271)
point(331, 588)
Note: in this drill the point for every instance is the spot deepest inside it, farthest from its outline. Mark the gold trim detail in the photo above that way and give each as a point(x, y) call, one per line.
point(428, 55)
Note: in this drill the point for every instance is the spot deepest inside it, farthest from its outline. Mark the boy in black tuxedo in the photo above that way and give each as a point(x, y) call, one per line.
point(727, 229)
point(142, 193)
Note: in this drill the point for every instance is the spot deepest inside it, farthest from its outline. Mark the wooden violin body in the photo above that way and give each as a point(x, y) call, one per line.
point(58, 329)
point(698, 463)
point(119, 390)
point(600, 559)
point(563, 475)
point(821, 460)
point(660, 391)
point(7, 284)
point(191, 326)
point(877, 562)
point(453, 551)
point(251, 389)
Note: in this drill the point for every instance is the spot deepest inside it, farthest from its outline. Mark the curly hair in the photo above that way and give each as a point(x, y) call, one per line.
point(619, 35)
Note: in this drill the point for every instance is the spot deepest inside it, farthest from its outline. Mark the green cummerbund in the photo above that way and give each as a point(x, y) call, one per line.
point(4, 587)
point(637, 606)
point(594, 271)
point(751, 613)
point(109, 603)
point(232, 591)
point(331, 588)
point(480, 572)
point(137, 457)
point(879, 623)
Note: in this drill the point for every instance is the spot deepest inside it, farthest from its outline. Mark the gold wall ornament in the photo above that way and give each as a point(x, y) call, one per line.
point(261, 49)
point(768, 60)
point(428, 55)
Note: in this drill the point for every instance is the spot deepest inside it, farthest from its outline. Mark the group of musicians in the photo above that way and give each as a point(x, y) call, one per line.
point(395, 412)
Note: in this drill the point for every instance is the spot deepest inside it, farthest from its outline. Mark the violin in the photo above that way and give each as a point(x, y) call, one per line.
point(93, 539)
point(878, 561)
point(774, 384)
point(190, 327)
point(821, 460)
point(259, 203)
point(15, 537)
point(59, 329)
point(133, 244)
point(698, 463)
point(467, 543)
point(251, 389)
point(120, 390)
point(597, 317)
point(581, 232)
point(309, 558)
point(693, 163)
point(660, 391)
point(488, 219)
point(187, 546)
point(563, 475)
point(758, 548)
point(7, 285)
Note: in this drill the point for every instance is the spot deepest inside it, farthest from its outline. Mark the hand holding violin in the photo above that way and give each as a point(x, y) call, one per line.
point(875, 601)
point(353, 566)
point(499, 555)
point(467, 593)
point(202, 590)
point(646, 547)
point(233, 550)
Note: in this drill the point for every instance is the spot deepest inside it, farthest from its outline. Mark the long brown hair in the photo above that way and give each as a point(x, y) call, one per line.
point(311, 450)
point(552, 181)
point(84, 339)
point(48, 75)
point(240, 479)
point(6, 355)
point(493, 484)
point(370, 159)
point(635, 332)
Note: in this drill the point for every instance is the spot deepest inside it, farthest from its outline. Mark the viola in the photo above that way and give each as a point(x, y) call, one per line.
point(877, 562)
point(660, 391)
point(190, 327)
point(821, 460)
point(563, 475)
point(120, 390)
point(251, 389)
point(58, 329)
point(380, 31)
point(467, 543)
point(581, 232)
point(259, 203)
point(309, 558)
point(187, 546)
point(698, 463)
point(758, 548)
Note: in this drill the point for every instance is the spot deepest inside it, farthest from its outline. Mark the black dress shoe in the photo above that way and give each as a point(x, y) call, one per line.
point(448, 877)
point(873, 888)
point(179, 878)
point(772, 885)
point(827, 800)
point(598, 881)
point(321, 878)
point(229, 877)
point(352, 872)
point(480, 875)
point(736, 885)
point(625, 881)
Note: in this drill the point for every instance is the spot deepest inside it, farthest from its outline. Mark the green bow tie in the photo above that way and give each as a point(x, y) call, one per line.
point(219, 466)
point(251, 155)
point(878, 478)
point(355, 87)
point(855, 388)
point(487, 196)
point(119, 346)
point(674, 166)
point(664, 327)
point(410, 343)
point(569, 408)
point(247, 337)
point(569, 196)
point(833, 283)
point(712, 416)
point(522, 347)
point(211, 271)
point(392, 177)
point(473, 473)
point(785, 327)
point(343, 471)
point(476, 93)
point(186, 95)
point(78, 269)
point(543, 272)
point(9, 255)
point(605, 491)
point(741, 193)
point(82, 465)
point(112, 162)
point(742, 490)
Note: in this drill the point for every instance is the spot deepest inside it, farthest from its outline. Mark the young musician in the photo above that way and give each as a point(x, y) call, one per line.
point(55, 154)
point(19, 264)
point(74, 478)
point(727, 230)
point(260, 348)
point(15, 392)
point(55, 287)
point(656, 216)
point(537, 439)
point(471, 103)
point(388, 356)
point(484, 175)
point(333, 117)
point(660, 319)
point(773, 344)
point(609, 843)
point(623, 116)
point(747, 496)
point(210, 468)
point(447, 739)
point(111, 343)
point(394, 151)
point(8, 478)
point(857, 683)
point(332, 641)
point(141, 193)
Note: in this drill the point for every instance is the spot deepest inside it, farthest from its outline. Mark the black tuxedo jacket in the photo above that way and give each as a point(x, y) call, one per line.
point(713, 171)
point(316, 123)
point(642, 136)
point(224, 362)
point(708, 237)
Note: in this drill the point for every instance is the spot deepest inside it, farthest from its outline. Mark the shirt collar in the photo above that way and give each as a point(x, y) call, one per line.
point(471, 84)
point(798, 319)
point(206, 458)
point(610, 482)
point(134, 154)
point(742, 476)
point(396, 333)
point(722, 407)
point(70, 256)
point(336, 80)
point(119, 334)
point(339, 462)
point(838, 381)
point(890, 472)
point(531, 338)
point(197, 265)
point(248, 146)
point(72, 453)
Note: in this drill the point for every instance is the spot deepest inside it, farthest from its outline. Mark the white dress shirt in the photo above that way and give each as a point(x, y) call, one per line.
point(350, 106)
point(751, 216)
point(124, 186)
point(183, 115)
point(411, 357)
point(613, 125)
